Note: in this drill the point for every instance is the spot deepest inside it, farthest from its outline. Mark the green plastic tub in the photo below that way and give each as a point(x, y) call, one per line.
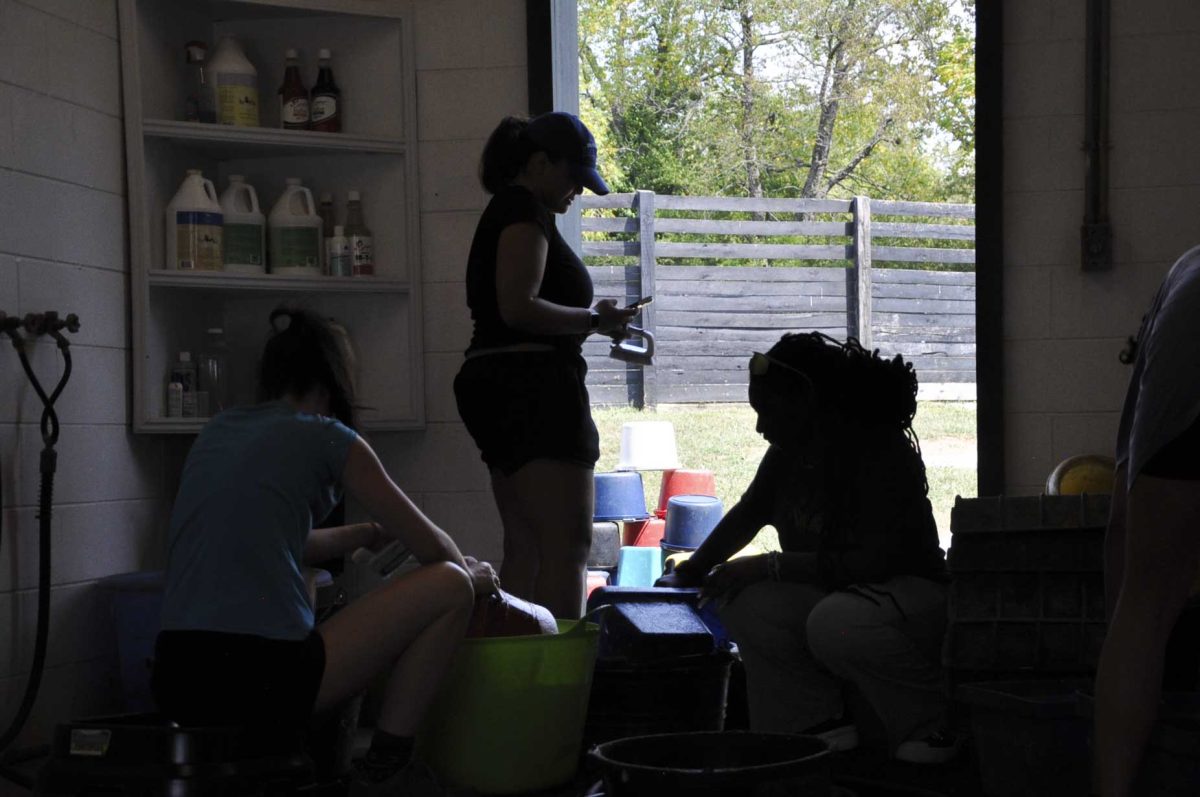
point(509, 717)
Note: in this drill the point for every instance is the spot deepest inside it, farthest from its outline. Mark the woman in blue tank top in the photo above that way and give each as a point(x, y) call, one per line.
point(239, 644)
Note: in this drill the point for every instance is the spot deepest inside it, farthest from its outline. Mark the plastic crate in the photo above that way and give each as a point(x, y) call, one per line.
point(1016, 513)
point(1029, 738)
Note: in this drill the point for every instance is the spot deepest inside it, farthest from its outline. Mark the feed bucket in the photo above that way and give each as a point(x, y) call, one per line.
point(722, 763)
point(690, 519)
point(685, 481)
point(648, 445)
point(509, 715)
point(619, 496)
point(643, 533)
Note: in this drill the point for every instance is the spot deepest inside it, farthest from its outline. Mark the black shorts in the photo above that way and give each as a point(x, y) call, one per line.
point(522, 406)
point(214, 678)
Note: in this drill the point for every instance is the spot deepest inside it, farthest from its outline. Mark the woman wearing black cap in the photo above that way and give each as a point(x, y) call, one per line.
point(521, 391)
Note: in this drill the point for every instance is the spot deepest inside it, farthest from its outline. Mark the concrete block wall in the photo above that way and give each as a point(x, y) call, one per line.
point(63, 248)
point(471, 72)
point(1063, 328)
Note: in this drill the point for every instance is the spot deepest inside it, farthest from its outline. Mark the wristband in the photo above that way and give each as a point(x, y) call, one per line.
point(593, 320)
point(773, 565)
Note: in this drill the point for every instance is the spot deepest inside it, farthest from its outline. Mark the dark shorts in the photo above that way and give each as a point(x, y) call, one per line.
point(522, 406)
point(214, 678)
point(1178, 459)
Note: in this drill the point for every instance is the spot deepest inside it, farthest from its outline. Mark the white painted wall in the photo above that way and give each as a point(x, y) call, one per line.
point(63, 247)
point(1063, 328)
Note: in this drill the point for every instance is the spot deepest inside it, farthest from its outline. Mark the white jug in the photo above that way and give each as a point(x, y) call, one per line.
point(295, 233)
point(245, 228)
point(193, 226)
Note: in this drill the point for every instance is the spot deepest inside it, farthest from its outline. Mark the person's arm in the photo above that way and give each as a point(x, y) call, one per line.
point(368, 483)
point(520, 265)
point(338, 541)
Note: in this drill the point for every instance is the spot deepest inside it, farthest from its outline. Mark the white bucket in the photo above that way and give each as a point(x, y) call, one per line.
point(194, 226)
point(245, 228)
point(295, 230)
point(648, 445)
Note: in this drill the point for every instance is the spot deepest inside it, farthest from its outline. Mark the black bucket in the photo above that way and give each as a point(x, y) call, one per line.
point(722, 764)
point(687, 693)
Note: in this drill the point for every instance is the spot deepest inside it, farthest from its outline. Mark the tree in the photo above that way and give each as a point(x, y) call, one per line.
point(778, 97)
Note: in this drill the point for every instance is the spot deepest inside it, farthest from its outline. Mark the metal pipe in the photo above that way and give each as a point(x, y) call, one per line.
point(1096, 233)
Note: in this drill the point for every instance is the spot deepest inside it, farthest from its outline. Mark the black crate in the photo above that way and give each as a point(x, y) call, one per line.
point(1029, 513)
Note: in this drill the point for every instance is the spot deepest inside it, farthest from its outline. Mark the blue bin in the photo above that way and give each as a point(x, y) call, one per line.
point(638, 566)
point(690, 519)
point(136, 600)
point(620, 496)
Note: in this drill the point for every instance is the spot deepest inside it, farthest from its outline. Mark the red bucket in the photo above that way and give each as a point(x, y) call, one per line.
point(643, 533)
point(684, 481)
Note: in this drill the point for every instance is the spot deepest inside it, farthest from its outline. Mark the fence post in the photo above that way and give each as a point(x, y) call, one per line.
point(858, 276)
point(645, 211)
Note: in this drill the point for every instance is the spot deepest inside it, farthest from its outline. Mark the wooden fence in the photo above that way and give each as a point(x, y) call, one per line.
point(707, 319)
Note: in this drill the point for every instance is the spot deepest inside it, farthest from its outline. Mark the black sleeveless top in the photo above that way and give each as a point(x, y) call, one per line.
point(565, 280)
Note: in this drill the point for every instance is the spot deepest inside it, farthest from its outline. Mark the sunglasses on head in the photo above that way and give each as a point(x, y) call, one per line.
point(761, 363)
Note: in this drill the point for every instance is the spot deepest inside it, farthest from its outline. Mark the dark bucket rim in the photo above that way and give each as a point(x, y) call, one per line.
point(597, 753)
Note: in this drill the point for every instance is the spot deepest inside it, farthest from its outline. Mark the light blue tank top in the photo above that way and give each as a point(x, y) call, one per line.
point(255, 482)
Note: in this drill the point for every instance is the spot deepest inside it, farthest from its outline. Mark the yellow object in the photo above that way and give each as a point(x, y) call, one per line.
point(509, 716)
point(1086, 473)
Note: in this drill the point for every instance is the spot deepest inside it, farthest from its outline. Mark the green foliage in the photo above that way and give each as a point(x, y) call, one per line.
point(782, 97)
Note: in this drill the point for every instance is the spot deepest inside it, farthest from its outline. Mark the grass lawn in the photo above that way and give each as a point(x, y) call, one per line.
point(721, 438)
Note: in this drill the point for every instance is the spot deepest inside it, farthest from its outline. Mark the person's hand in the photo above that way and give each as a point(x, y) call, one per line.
point(726, 580)
point(614, 321)
point(375, 540)
point(483, 577)
point(681, 576)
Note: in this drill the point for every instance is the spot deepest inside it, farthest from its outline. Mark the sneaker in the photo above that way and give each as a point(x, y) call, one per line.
point(936, 748)
point(412, 780)
point(839, 734)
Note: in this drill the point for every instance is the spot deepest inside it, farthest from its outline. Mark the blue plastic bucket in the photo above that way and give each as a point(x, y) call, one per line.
point(620, 496)
point(136, 600)
point(690, 519)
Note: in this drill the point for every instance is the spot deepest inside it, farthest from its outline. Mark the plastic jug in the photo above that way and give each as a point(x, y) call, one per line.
point(237, 84)
point(194, 226)
point(245, 228)
point(295, 233)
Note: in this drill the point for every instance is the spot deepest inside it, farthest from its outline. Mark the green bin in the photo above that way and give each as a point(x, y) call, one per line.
point(509, 716)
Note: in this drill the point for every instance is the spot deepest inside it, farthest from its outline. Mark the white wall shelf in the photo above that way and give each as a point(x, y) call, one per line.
point(228, 142)
point(375, 154)
point(227, 281)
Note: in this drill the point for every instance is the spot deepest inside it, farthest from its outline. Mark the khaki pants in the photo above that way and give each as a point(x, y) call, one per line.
point(800, 643)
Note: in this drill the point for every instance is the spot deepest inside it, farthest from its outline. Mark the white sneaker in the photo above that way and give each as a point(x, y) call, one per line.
point(938, 747)
point(837, 733)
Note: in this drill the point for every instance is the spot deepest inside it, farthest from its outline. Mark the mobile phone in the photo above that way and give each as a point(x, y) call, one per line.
point(645, 300)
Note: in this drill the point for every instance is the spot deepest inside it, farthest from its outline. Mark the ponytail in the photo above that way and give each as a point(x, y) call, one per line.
point(505, 154)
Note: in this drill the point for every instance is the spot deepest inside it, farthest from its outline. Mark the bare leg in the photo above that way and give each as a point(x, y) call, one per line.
point(519, 571)
point(556, 499)
point(411, 625)
point(1161, 558)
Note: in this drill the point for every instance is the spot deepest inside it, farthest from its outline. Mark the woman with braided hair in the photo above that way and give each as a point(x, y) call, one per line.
point(857, 593)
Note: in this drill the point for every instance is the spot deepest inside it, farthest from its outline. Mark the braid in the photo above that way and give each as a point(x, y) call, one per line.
point(877, 393)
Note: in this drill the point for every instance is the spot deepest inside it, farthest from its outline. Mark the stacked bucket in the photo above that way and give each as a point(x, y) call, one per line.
point(687, 510)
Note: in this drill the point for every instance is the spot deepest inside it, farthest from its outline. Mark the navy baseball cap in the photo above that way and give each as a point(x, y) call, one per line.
point(564, 134)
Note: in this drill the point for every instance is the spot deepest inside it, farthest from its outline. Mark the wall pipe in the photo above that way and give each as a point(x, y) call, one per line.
point(1097, 229)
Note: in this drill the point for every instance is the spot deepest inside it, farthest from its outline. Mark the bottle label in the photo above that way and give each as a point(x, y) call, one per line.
point(324, 107)
point(294, 112)
point(243, 244)
point(296, 247)
point(237, 100)
point(362, 253)
point(198, 241)
point(338, 254)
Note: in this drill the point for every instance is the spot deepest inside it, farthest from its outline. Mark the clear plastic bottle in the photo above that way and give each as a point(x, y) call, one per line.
point(362, 244)
point(201, 103)
point(327, 213)
point(214, 370)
